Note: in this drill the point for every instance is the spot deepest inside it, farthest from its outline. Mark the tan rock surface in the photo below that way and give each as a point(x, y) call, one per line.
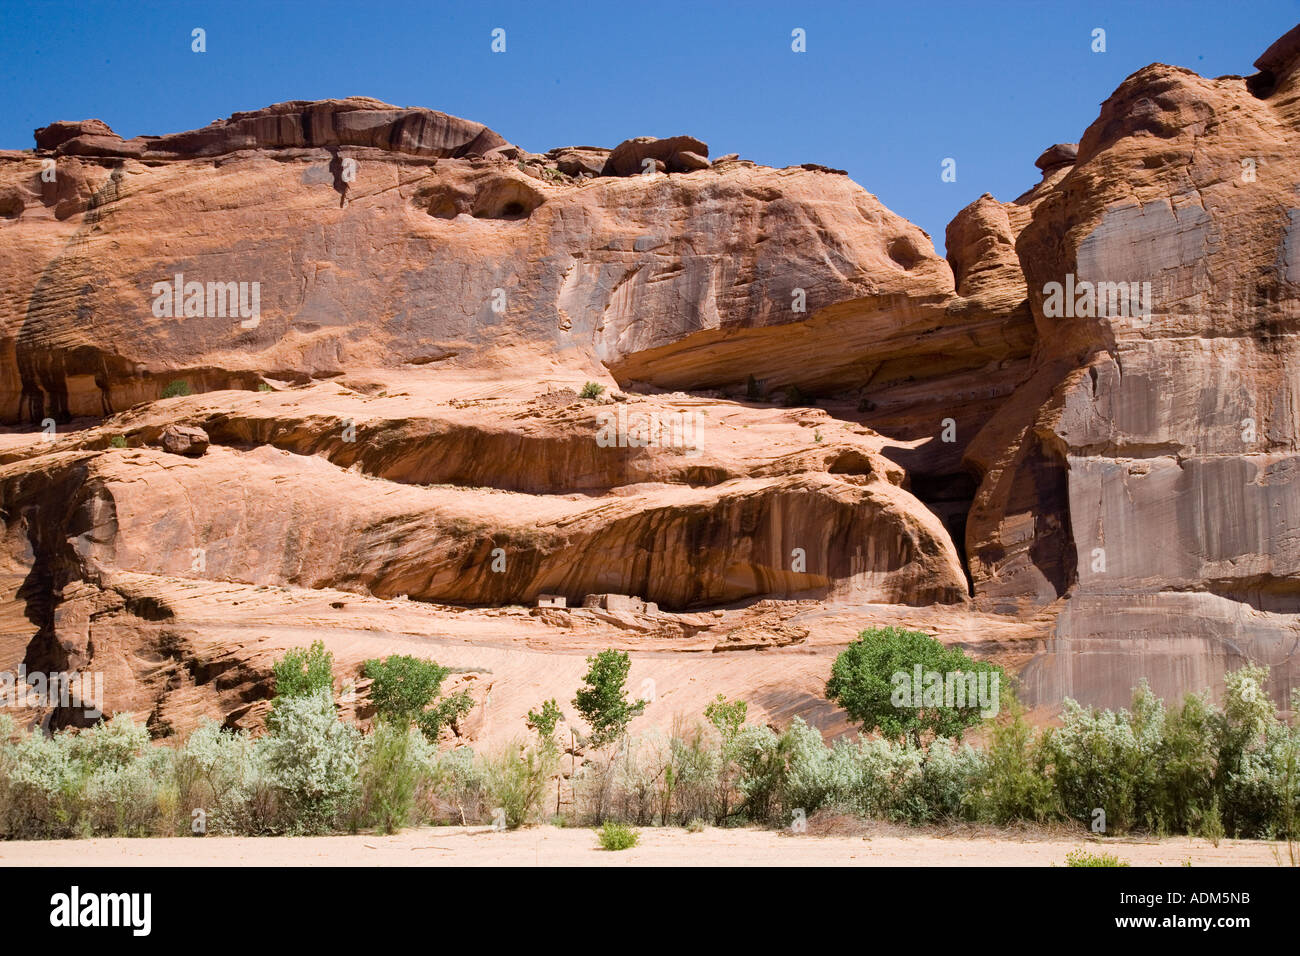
point(810, 422)
point(1155, 453)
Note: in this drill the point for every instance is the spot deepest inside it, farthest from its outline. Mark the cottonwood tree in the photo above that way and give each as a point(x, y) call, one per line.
point(864, 682)
point(603, 702)
point(405, 689)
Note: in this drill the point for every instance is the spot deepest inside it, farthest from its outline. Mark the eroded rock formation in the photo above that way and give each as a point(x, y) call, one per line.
point(381, 320)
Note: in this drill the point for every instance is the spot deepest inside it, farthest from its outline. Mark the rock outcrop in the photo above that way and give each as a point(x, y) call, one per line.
point(1154, 444)
point(1070, 445)
point(676, 154)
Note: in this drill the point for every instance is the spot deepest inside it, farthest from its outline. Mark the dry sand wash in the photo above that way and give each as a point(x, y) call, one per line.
point(667, 846)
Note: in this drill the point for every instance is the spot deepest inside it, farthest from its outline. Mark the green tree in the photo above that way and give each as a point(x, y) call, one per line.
point(301, 673)
point(404, 690)
point(547, 752)
point(727, 716)
point(873, 680)
point(544, 721)
point(603, 702)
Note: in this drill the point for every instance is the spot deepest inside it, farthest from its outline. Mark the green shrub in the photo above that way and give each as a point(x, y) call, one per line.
point(1084, 858)
point(1209, 824)
point(760, 782)
point(395, 759)
point(1018, 781)
point(117, 441)
point(264, 387)
point(41, 797)
point(1252, 748)
point(176, 388)
point(1098, 761)
point(694, 781)
point(949, 772)
point(1199, 768)
point(616, 836)
point(457, 791)
point(1183, 797)
point(219, 772)
point(404, 690)
point(312, 760)
point(629, 786)
point(103, 781)
point(517, 779)
point(111, 744)
point(795, 397)
point(812, 778)
point(123, 777)
point(125, 800)
point(592, 390)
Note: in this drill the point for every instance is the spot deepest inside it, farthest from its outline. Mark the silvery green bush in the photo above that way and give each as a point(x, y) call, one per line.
point(1192, 768)
point(313, 762)
point(41, 788)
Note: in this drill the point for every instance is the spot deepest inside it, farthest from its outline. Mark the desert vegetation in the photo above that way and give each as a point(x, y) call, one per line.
point(1201, 768)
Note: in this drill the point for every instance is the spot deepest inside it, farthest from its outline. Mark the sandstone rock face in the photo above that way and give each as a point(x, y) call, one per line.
point(1162, 434)
point(380, 328)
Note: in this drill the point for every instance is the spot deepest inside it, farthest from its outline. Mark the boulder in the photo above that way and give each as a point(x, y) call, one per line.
point(184, 440)
point(627, 157)
point(58, 133)
point(1054, 157)
point(579, 160)
point(692, 161)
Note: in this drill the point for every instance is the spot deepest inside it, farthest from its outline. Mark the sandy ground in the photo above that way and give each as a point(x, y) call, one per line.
point(554, 846)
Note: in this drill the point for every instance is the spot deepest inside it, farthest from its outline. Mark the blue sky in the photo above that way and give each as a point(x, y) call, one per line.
point(885, 90)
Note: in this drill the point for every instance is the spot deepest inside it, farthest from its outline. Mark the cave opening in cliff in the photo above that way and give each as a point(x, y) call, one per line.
point(949, 497)
point(937, 478)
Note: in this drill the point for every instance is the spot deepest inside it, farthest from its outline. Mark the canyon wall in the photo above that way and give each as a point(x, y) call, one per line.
point(434, 367)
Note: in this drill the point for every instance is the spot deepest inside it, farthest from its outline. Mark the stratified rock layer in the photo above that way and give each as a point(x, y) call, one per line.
point(1157, 445)
point(423, 363)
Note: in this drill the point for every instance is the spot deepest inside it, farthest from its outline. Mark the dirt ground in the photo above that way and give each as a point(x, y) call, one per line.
point(555, 846)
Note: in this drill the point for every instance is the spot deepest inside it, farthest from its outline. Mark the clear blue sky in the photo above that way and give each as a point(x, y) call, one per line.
point(886, 90)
